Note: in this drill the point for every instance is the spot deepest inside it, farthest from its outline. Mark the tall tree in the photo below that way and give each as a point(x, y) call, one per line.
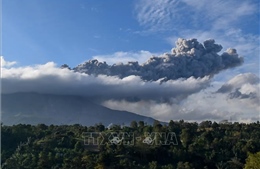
point(253, 161)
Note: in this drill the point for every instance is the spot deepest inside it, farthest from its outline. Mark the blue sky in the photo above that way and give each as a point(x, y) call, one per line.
point(49, 33)
point(71, 32)
point(65, 31)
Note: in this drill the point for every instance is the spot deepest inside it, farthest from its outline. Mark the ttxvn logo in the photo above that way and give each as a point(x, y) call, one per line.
point(129, 138)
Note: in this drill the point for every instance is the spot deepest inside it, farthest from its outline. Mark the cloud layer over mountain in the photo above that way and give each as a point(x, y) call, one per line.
point(50, 79)
point(238, 100)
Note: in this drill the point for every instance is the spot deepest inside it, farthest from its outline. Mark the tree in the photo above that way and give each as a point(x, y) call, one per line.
point(141, 124)
point(185, 165)
point(253, 161)
point(235, 163)
point(156, 123)
point(133, 124)
point(87, 161)
point(215, 125)
point(62, 147)
point(171, 125)
point(205, 124)
point(221, 165)
point(43, 160)
point(100, 127)
point(99, 166)
point(157, 127)
point(78, 146)
point(169, 166)
point(153, 165)
point(186, 137)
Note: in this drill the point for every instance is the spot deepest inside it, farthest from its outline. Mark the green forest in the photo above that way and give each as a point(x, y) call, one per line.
point(175, 145)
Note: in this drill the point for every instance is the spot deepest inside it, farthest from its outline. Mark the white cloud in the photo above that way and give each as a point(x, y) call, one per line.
point(157, 15)
point(249, 88)
point(124, 57)
point(176, 15)
point(5, 63)
point(206, 104)
point(243, 87)
point(203, 105)
point(48, 78)
point(242, 79)
point(221, 14)
point(175, 99)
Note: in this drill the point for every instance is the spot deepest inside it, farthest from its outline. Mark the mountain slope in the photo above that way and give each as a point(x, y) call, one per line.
point(35, 108)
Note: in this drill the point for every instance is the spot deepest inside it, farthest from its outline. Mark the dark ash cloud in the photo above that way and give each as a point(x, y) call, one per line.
point(189, 59)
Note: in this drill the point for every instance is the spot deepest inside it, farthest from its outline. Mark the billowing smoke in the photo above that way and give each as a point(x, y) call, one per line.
point(189, 58)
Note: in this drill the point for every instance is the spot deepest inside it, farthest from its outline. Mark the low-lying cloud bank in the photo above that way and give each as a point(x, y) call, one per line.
point(48, 78)
point(209, 104)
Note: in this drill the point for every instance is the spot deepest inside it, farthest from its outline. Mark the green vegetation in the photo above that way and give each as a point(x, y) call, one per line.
point(208, 145)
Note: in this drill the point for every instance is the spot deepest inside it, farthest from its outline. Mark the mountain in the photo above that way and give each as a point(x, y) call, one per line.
point(35, 108)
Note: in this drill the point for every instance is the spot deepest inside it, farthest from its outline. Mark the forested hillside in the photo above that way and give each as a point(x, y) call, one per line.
point(178, 145)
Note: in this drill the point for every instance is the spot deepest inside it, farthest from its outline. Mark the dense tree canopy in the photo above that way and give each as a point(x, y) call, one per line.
point(178, 145)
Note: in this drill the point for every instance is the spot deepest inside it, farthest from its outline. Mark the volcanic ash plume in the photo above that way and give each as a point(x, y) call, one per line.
point(189, 58)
